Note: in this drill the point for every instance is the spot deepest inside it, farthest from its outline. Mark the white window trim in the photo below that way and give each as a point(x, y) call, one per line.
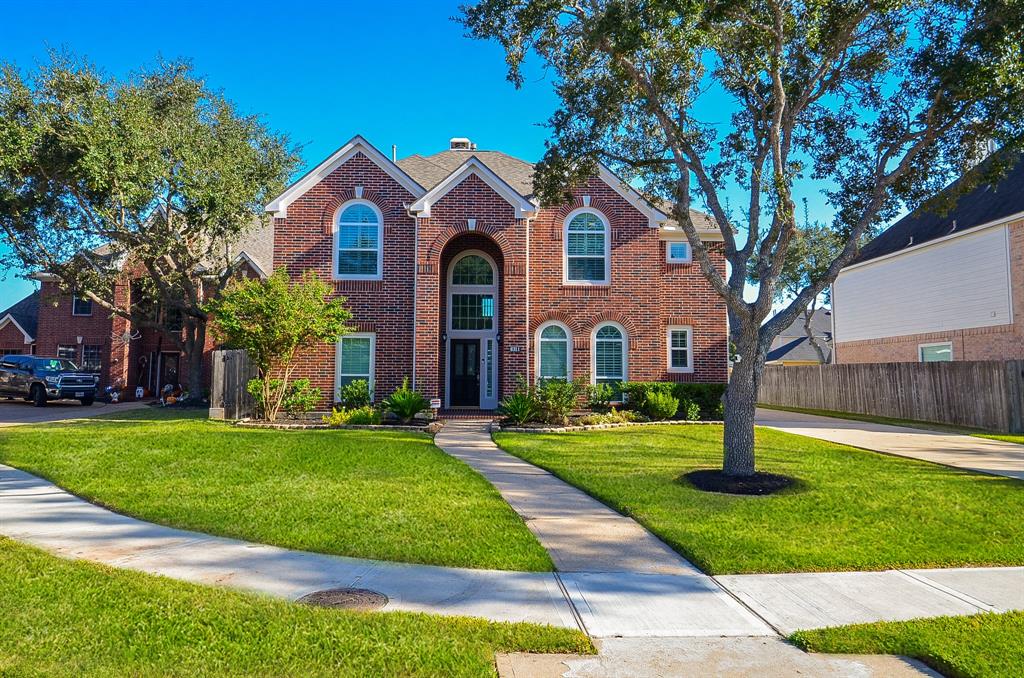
point(537, 343)
point(677, 260)
point(689, 348)
point(80, 315)
point(336, 225)
point(607, 249)
point(373, 362)
point(593, 351)
point(921, 347)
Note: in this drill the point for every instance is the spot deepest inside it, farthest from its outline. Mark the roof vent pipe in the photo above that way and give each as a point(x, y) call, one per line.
point(394, 152)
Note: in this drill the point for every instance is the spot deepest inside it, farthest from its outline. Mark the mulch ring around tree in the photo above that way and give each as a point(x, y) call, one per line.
point(714, 480)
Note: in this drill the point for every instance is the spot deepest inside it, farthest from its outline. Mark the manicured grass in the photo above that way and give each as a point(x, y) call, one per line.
point(65, 618)
point(372, 494)
point(1008, 438)
point(851, 510)
point(960, 647)
point(910, 423)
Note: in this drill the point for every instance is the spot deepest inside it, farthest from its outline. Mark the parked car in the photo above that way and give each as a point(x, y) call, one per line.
point(40, 379)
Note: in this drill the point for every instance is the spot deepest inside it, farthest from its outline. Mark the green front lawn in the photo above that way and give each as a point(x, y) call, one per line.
point(960, 647)
point(370, 494)
point(65, 618)
point(852, 510)
point(1007, 438)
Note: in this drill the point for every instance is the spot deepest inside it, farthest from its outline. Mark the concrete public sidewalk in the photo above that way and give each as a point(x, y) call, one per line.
point(950, 449)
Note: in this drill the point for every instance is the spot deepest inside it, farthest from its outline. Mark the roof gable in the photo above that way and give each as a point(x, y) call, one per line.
point(279, 205)
point(25, 316)
point(655, 217)
point(524, 208)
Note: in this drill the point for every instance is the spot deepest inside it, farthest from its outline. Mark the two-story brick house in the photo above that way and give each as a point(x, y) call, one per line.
point(460, 280)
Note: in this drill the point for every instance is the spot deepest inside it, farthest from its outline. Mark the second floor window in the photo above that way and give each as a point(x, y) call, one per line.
point(81, 305)
point(358, 242)
point(586, 249)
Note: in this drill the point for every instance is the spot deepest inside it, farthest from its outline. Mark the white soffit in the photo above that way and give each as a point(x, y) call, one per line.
point(279, 205)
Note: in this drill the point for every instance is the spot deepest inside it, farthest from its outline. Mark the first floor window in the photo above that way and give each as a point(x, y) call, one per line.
point(553, 353)
point(680, 349)
point(68, 352)
point(936, 353)
point(91, 358)
point(81, 305)
point(355, 359)
point(609, 355)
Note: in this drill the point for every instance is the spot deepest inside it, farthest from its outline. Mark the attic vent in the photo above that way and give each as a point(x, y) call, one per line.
point(461, 144)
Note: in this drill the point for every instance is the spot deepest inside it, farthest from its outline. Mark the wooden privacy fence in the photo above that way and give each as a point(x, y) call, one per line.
point(229, 398)
point(985, 394)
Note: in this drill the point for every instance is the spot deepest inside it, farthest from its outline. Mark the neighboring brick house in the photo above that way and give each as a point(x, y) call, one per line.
point(458, 279)
point(939, 286)
point(18, 326)
point(98, 341)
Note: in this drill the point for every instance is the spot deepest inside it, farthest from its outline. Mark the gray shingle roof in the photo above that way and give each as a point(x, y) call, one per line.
point(984, 204)
point(793, 344)
point(428, 171)
point(25, 313)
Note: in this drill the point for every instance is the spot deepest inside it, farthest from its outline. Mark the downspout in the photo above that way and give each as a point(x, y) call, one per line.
point(834, 358)
point(527, 352)
point(415, 289)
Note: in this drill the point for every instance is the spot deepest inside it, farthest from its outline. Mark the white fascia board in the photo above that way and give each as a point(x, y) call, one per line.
point(525, 208)
point(655, 217)
point(279, 205)
point(676, 233)
point(10, 319)
point(928, 243)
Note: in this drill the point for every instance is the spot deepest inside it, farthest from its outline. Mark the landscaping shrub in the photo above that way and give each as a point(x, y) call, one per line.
point(342, 416)
point(708, 397)
point(660, 406)
point(690, 410)
point(613, 416)
point(405, 403)
point(300, 398)
point(599, 397)
point(354, 394)
point(558, 398)
point(522, 405)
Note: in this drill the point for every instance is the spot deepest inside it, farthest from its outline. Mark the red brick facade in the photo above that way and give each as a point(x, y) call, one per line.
point(999, 342)
point(407, 308)
point(12, 340)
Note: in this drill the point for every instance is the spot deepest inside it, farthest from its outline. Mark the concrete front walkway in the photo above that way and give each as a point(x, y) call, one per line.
point(961, 451)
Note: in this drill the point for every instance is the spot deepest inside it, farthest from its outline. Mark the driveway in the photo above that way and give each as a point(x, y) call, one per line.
point(960, 451)
point(18, 412)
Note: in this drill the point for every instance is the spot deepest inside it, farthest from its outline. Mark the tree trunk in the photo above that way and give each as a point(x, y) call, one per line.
point(740, 405)
point(195, 342)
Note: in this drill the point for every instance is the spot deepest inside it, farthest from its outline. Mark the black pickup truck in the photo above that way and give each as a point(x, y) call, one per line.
point(39, 379)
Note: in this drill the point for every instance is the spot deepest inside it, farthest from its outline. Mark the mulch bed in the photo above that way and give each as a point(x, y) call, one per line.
point(710, 480)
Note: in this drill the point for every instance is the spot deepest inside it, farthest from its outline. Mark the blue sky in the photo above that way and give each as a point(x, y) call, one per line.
point(396, 72)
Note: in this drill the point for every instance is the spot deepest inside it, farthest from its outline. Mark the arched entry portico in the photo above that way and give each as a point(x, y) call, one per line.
point(471, 321)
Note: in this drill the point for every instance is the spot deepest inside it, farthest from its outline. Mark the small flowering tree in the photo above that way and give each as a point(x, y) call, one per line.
point(273, 320)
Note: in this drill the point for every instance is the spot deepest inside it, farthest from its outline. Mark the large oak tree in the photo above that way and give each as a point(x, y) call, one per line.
point(727, 105)
point(152, 178)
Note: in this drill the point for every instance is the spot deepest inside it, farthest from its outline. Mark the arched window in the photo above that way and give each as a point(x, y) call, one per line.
point(358, 242)
point(609, 354)
point(472, 270)
point(554, 352)
point(586, 248)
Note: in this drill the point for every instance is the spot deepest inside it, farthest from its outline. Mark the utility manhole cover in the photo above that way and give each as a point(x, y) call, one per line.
point(346, 598)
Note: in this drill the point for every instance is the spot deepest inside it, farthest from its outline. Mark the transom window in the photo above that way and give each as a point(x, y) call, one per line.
point(355, 359)
point(609, 354)
point(680, 349)
point(677, 252)
point(472, 269)
point(586, 249)
point(358, 242)
point(554, 357)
